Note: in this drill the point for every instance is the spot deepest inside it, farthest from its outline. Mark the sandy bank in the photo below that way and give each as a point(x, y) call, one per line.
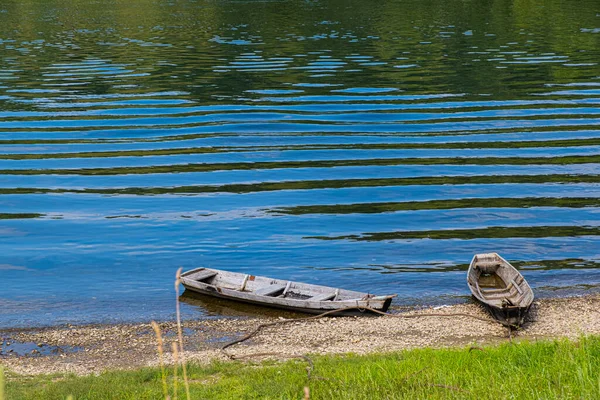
point(92, 349)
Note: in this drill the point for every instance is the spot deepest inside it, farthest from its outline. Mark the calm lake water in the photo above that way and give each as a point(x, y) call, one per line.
point(369, 145)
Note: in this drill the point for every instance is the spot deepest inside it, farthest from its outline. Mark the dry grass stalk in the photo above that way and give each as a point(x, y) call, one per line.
point(1, 383)
point(175, 367)
point(180, 334)
point(306, 393)
point(161, 359)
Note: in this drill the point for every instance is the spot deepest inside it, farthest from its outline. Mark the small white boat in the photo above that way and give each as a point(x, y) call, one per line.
point(278, 293)
point(500, 288)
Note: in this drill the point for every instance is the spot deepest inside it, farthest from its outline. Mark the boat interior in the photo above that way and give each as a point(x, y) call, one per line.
point(262, 286)
point(497, 283)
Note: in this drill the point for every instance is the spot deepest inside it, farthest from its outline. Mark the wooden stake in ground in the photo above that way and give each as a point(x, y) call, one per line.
point(160, 358)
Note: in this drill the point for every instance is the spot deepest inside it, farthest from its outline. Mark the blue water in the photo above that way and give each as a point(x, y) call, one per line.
point(370, 146)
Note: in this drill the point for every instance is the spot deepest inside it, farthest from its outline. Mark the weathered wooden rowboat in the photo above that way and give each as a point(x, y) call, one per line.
point(269, 292)
point(500, 288)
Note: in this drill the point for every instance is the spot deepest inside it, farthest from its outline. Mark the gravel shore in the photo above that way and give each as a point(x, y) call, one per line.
point(92, 349)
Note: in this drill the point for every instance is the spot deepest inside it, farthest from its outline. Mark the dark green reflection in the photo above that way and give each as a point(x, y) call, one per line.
point(544, 265)
point(319, 184)
point(438, 36)
point(20, 215)
point(184, 168)
point(496, 232)
point(503, 202)
point(382, 146)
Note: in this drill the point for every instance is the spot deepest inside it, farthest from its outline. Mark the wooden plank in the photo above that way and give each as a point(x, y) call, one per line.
point(323, 297)
point(479, 291)
point(287, 288)
point(492, 291)
point(270, 290)
point(517, 286)
point(499, 295)
point(487, 264)
point(202, 275)
point(244, 282)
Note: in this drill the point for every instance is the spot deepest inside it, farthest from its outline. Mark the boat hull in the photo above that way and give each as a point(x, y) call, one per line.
point(500, 288)
point(510, 317)
point(342, 306)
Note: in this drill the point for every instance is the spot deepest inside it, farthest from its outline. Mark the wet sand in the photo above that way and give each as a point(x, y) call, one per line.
point(95, 348)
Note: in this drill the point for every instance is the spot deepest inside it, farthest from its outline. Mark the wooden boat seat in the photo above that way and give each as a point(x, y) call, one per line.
point(324, 296)
point(271, 290)
point(488, 267)
point(202, 276)
point(492, 291)
point(498, 295)
point(513, 283)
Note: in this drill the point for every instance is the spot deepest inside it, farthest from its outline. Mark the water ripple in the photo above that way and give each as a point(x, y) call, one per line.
point(373, 150)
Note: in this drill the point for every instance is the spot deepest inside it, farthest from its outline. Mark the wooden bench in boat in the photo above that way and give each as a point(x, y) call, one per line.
point(202, 276)
point(280, 291)
point(490, 293)
point(487, 267)
point(498, 295)
point(325, 296)
point(271, 290)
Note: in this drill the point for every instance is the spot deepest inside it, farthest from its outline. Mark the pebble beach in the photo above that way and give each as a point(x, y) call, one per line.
point(91, 349)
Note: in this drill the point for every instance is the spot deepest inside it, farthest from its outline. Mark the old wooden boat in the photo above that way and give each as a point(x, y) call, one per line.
point(500, 288)
point(278, 293)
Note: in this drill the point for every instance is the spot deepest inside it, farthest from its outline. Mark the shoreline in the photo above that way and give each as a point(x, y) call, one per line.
point(91, 349)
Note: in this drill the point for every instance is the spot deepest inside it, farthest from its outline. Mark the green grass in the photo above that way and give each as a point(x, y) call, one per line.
point(543, 370)
point(1, 383)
